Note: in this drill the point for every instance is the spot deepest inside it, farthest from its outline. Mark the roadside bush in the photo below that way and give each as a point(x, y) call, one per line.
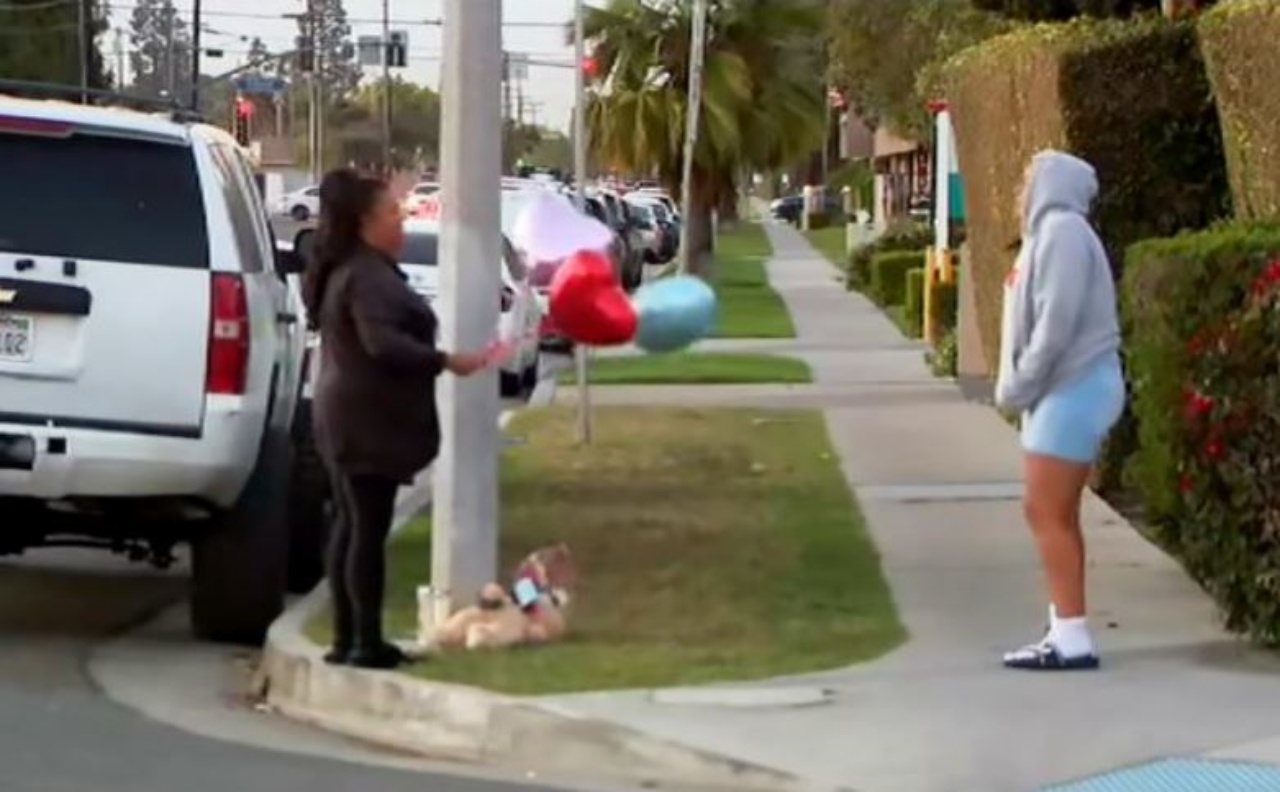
point(1239, 42)
point(1131, 97)
point(900, 236)
point(944, 358)
point(943, 306)
point(1202, 324)
point(913, 302)
point(889, 275)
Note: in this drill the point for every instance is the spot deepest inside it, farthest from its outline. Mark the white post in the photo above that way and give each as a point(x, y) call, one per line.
point(580, 351)
point(464, 539)
point(942, 182)
point(697, 46)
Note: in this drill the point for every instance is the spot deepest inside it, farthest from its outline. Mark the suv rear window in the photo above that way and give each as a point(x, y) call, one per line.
point(421, 250)
point(110, 199)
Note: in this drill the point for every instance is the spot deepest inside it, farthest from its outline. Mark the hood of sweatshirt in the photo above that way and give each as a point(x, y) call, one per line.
point(1060, 182)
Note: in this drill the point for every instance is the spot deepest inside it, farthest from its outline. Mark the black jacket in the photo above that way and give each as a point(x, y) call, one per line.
point(375, 401)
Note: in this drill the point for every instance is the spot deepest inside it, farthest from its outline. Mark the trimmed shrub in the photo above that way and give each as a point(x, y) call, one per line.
point(903, 236)
point(1240, 47)
point(944, 358)
point(913, 302)
point(1131, 97)
point(943, 307)
point(889, 275)
point(1202, 324)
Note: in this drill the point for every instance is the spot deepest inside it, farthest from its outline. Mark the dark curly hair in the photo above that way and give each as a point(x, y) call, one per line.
point(346, 196)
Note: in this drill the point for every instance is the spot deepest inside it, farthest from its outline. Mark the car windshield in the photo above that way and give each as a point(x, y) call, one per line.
point(421, 250)
point(126, 201)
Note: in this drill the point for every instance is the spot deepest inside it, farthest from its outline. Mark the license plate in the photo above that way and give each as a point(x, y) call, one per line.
point(17, 338)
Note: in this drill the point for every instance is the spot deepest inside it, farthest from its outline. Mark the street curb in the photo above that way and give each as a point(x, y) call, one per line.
point(466, 724)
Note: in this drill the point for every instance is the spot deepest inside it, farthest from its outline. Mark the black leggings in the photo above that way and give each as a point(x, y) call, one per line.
point(363, 508)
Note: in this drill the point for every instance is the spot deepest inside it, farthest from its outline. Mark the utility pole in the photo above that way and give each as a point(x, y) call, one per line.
point(698, 47)
point(386, 87)
point(172, 78)
point(464, 535)
point(196, 28)
point(580, 351)
point(119, 53)
point(85, 41)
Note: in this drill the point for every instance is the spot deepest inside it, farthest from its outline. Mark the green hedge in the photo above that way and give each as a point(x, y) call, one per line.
point(889, 275)
point(903, 236)
point(1241, 43)
point(943, 305)
point(1132, 97)
point(1202, 325)
point(913, 302)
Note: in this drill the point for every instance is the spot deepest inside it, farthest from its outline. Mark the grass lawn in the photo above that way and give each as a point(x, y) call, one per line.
point(749, 307)
point(830, 243)
point(696, 368)
point(711, 544)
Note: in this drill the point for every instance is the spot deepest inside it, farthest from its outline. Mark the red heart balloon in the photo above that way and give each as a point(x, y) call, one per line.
point(588, 304)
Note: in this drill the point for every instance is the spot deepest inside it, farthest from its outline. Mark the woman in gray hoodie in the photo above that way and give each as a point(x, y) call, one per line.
point(1060, 369)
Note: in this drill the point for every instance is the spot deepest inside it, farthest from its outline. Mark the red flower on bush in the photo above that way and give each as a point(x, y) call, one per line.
point(1266, 282)
point(1196, 404)
point(1186, 483)
point(1214, 448)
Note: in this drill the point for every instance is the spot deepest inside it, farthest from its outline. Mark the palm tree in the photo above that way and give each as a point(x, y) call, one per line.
point(763, 103)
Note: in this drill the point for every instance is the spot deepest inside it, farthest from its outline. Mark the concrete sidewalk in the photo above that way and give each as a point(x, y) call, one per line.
point(938, 479)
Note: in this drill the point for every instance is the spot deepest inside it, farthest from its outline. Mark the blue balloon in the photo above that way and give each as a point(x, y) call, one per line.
point(674, 312)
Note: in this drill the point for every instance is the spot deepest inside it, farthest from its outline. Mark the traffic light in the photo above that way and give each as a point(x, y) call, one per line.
point(243, 112)
point(590, 66)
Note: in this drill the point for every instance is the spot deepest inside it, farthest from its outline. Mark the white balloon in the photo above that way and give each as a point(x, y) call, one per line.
point(550, 228)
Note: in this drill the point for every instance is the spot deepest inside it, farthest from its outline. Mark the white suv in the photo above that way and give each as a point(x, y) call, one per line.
point(150, 353)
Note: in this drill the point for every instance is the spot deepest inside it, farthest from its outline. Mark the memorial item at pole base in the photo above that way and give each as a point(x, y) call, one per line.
point(673, 313)
point(533, 610)
point(588, 303)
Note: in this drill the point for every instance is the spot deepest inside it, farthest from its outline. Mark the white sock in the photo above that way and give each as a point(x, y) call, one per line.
point(1071, 636)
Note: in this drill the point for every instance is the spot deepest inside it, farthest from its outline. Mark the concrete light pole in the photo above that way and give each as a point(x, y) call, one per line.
point(464, 539)
point(698, 47)
point(580, 352)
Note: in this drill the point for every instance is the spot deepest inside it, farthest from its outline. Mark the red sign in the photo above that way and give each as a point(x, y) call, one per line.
point(244, 107)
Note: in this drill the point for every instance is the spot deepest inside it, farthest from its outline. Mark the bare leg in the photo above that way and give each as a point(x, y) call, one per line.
point(1054, 488)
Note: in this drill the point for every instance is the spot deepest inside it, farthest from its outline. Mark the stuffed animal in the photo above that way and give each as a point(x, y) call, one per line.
point(532, 611)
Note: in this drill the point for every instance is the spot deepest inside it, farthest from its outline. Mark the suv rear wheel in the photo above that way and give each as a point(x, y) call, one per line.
point(239, 559)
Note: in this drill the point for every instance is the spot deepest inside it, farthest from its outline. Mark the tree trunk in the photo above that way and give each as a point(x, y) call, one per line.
point(699, 226)
point(727, 200)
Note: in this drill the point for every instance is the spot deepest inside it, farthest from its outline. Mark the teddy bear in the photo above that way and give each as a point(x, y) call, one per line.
point(531, 611)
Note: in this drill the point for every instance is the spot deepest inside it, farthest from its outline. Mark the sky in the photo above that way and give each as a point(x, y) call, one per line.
point(531, 27)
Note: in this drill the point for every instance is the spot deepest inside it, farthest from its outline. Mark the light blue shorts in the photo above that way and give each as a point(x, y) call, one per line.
point(1072, 421)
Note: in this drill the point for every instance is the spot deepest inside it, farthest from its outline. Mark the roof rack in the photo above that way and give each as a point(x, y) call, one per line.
point(101, 98)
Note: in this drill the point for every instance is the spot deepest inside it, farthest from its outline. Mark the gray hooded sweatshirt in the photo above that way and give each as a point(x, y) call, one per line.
point(1059, 300)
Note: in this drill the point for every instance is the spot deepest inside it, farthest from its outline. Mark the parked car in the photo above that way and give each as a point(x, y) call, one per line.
point(671, 224)
point(421, 193)
point(150, 360)
point(652, 233)
point(520, 311)
point(301, 205)
point(788, 208)
point(629, 234)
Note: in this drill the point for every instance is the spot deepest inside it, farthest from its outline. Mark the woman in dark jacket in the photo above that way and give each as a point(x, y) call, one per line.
point(375, 410)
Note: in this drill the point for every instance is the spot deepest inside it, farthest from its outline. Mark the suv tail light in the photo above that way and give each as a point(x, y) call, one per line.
point(508, 299)
point(228, 336)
